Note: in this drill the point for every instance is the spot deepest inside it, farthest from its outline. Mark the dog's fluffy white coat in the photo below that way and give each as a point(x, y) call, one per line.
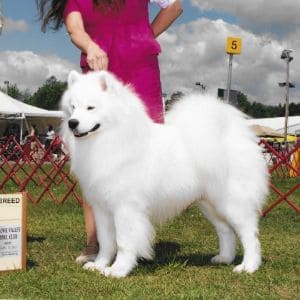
point(134, 172)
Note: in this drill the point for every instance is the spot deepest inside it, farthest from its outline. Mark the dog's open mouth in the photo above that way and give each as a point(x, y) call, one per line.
point(78, 134)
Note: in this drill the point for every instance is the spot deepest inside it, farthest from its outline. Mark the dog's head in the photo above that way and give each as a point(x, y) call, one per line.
point(91, 102)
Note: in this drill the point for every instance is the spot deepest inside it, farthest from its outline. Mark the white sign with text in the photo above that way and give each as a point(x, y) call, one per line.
point(12, 232)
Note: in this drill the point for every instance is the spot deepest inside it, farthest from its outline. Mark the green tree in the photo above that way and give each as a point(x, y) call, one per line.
point(260, 110)
point(243, 104)
point(13, 91)
point(173, 99)
point(294, 109)
point(49, 94)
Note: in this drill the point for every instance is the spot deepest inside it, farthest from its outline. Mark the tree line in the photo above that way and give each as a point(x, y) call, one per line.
point(49, 94)
point(252, 109)
point(260, 110)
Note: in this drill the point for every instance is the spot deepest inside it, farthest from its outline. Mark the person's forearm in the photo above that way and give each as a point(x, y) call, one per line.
point(75, 27)
point(96, 58)
point(166, 17)
point(81, 40)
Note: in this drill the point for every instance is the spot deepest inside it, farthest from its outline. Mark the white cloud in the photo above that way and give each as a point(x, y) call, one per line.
point(29, 70)
point(258, 11)
point(195, 52)
point(11, 25)
point(192, 52)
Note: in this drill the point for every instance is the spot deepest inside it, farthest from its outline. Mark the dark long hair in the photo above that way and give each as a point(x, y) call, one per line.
point(50, 12)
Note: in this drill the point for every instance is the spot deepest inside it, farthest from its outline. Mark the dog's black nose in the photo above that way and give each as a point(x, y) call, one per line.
point(73, 123)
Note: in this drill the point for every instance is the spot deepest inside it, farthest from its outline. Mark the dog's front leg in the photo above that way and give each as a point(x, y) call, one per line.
point(134, 234)
point(106, 236)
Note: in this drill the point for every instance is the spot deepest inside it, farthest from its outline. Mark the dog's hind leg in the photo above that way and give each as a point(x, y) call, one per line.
point(106, 236)
point(226, 235)
point(246, 228)
point(134, 237)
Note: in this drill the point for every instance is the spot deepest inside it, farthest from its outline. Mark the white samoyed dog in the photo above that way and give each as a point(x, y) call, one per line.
point(134, 172)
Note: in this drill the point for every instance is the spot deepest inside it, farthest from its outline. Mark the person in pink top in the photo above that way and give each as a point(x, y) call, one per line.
point(115, 35)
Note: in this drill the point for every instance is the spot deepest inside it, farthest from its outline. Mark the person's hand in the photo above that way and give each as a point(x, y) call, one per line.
point(96, 58)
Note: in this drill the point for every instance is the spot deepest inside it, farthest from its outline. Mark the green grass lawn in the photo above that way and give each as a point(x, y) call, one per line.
point(180, 270)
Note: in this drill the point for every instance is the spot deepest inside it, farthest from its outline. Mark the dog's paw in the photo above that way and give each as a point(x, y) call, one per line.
point(94, 266)
point(98, 265)
point(219, 259)
point(115, 272)
point(249, 268)
point(90, 266)
point(82, 259)
point(239, 268)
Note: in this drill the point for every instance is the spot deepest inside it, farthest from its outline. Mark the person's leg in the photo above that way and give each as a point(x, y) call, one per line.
point(90, 226)
point(90, 251)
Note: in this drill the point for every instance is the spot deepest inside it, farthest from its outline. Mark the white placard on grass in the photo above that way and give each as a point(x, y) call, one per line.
point(13, 244)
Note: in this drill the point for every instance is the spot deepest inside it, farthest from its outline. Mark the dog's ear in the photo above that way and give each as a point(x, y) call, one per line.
point(103, 83)
point(108, 82)
point(73, 77)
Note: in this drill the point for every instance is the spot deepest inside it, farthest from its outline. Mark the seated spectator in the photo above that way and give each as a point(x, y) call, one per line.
point(50, 135)
point(33, 135)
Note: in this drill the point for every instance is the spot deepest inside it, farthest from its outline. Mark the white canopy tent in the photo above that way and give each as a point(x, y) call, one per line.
point(278, 124)
point(13, 111)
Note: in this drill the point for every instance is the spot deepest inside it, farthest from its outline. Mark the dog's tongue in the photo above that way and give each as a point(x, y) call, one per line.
point(78, 134)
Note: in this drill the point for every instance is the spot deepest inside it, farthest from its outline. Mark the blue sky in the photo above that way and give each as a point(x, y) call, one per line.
point(193, 48)
point(58, 42)
point(33, 39)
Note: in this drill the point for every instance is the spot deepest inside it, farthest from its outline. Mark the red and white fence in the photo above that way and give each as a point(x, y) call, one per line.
point(44, 172)
point(284, 162)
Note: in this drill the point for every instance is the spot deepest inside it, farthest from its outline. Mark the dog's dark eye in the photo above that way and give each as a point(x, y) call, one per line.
point(90, 107)
point(73, 106)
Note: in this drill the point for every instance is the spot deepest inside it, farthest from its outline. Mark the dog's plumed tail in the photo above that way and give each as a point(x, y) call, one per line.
point(214, 132)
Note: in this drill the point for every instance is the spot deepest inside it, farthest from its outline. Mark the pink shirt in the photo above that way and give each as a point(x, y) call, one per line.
point(126, 36)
